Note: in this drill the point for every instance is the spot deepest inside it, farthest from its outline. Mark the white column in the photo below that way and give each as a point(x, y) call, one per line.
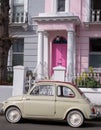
point(59, 73)
point(46, 55)
point(67, 6)
point(88, 9)
point(40, 55)
point(54, 6)
point(19, 80)
point(74, 57)
point(26, 4)
point(70, 55)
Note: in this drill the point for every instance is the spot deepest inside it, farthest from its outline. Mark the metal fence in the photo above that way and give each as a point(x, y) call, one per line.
point(8, 77)
point(87, 80)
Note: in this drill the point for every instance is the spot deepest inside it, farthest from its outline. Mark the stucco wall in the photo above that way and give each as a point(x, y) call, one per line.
point(82, 40)
point(30, 52)
point(77, 8)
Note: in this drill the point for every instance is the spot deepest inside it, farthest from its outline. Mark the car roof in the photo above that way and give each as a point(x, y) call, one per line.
point(60, 82)
point(53, 81)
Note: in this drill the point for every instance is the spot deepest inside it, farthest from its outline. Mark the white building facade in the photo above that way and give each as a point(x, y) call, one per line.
point(24, 48)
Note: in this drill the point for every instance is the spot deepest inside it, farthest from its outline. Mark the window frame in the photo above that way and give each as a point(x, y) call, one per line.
point(18, 17)
point(57, 8)
point(18, 52)
point(63, 96)
point(47, 94)
point(93, 53)
point(26, 4)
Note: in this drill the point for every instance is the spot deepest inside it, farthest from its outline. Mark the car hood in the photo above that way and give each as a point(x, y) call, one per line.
point(16, 98)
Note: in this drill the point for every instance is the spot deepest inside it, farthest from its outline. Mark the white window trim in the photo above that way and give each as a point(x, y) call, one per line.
point(88, 7)
point(67, 6)
point(95, 54)
point(25, 9)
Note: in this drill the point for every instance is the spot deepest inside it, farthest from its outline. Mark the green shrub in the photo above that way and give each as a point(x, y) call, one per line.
point(88, 80)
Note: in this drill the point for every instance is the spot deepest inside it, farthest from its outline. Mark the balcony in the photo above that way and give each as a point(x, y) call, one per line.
point(18, 18)
point(95, 16)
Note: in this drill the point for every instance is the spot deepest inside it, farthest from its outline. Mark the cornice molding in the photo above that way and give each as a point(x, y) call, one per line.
point(59, 18)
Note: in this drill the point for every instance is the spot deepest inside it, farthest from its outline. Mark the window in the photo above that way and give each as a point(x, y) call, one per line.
point(95, 10)
point(18, 11)
point(60, 40)
point(43, 90)
point(60, 5)
point(95, 4)
point(65, 92)
point(17, 52)
point(95, 53)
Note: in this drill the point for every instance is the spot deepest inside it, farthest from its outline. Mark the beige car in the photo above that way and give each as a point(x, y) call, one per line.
point(50, 100)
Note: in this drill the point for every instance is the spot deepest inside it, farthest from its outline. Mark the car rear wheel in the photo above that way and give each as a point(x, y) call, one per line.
point(13, 115)
point(75, 118)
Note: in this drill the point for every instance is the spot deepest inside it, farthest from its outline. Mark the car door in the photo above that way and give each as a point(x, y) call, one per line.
point(40, 101)
point(64, 101)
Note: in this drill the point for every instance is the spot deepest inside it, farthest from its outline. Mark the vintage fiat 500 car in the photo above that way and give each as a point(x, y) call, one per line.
point(53, 100)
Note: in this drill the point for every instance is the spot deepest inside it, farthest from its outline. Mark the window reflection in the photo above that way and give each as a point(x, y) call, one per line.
point(61, 5)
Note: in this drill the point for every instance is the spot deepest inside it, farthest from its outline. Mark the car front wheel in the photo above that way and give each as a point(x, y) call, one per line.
point(13, 115)
point(75, 118)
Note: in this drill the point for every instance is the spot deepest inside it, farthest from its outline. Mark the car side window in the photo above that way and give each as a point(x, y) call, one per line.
point(65, 92)
point(43, 90)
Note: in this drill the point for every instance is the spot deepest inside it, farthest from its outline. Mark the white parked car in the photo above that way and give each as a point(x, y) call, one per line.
point(52, 100)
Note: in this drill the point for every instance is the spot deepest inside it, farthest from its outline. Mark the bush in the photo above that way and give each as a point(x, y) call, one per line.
point(88, 80)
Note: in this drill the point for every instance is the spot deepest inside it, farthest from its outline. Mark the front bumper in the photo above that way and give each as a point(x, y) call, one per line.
point(1, 112)
point(1, 109)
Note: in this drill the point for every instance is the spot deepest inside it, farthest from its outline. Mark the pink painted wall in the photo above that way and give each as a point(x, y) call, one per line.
point(82, 41)
point(48, 6)
point(75, 7)
point(56, 26)
point(83, 33)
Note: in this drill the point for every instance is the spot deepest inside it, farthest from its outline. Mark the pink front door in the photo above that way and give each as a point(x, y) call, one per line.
point(59, 55)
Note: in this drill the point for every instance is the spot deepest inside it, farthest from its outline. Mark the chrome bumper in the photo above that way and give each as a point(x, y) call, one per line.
point(1, 110)
point(97, 115)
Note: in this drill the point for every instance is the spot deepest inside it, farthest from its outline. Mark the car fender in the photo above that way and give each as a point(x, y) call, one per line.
point(72, 109)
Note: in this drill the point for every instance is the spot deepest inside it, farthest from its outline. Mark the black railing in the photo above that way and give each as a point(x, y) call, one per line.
point(8, 77)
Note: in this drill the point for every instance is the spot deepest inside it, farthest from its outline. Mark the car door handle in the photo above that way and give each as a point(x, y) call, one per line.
point(27, 99)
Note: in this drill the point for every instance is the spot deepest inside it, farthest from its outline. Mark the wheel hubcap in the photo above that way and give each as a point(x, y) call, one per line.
point(75, 119)
point(13, 115)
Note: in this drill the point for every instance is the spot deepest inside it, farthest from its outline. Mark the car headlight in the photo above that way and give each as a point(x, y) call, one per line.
point(3, 103)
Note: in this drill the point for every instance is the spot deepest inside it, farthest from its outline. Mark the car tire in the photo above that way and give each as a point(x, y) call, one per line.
point(75, 118)
point(13, 115)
